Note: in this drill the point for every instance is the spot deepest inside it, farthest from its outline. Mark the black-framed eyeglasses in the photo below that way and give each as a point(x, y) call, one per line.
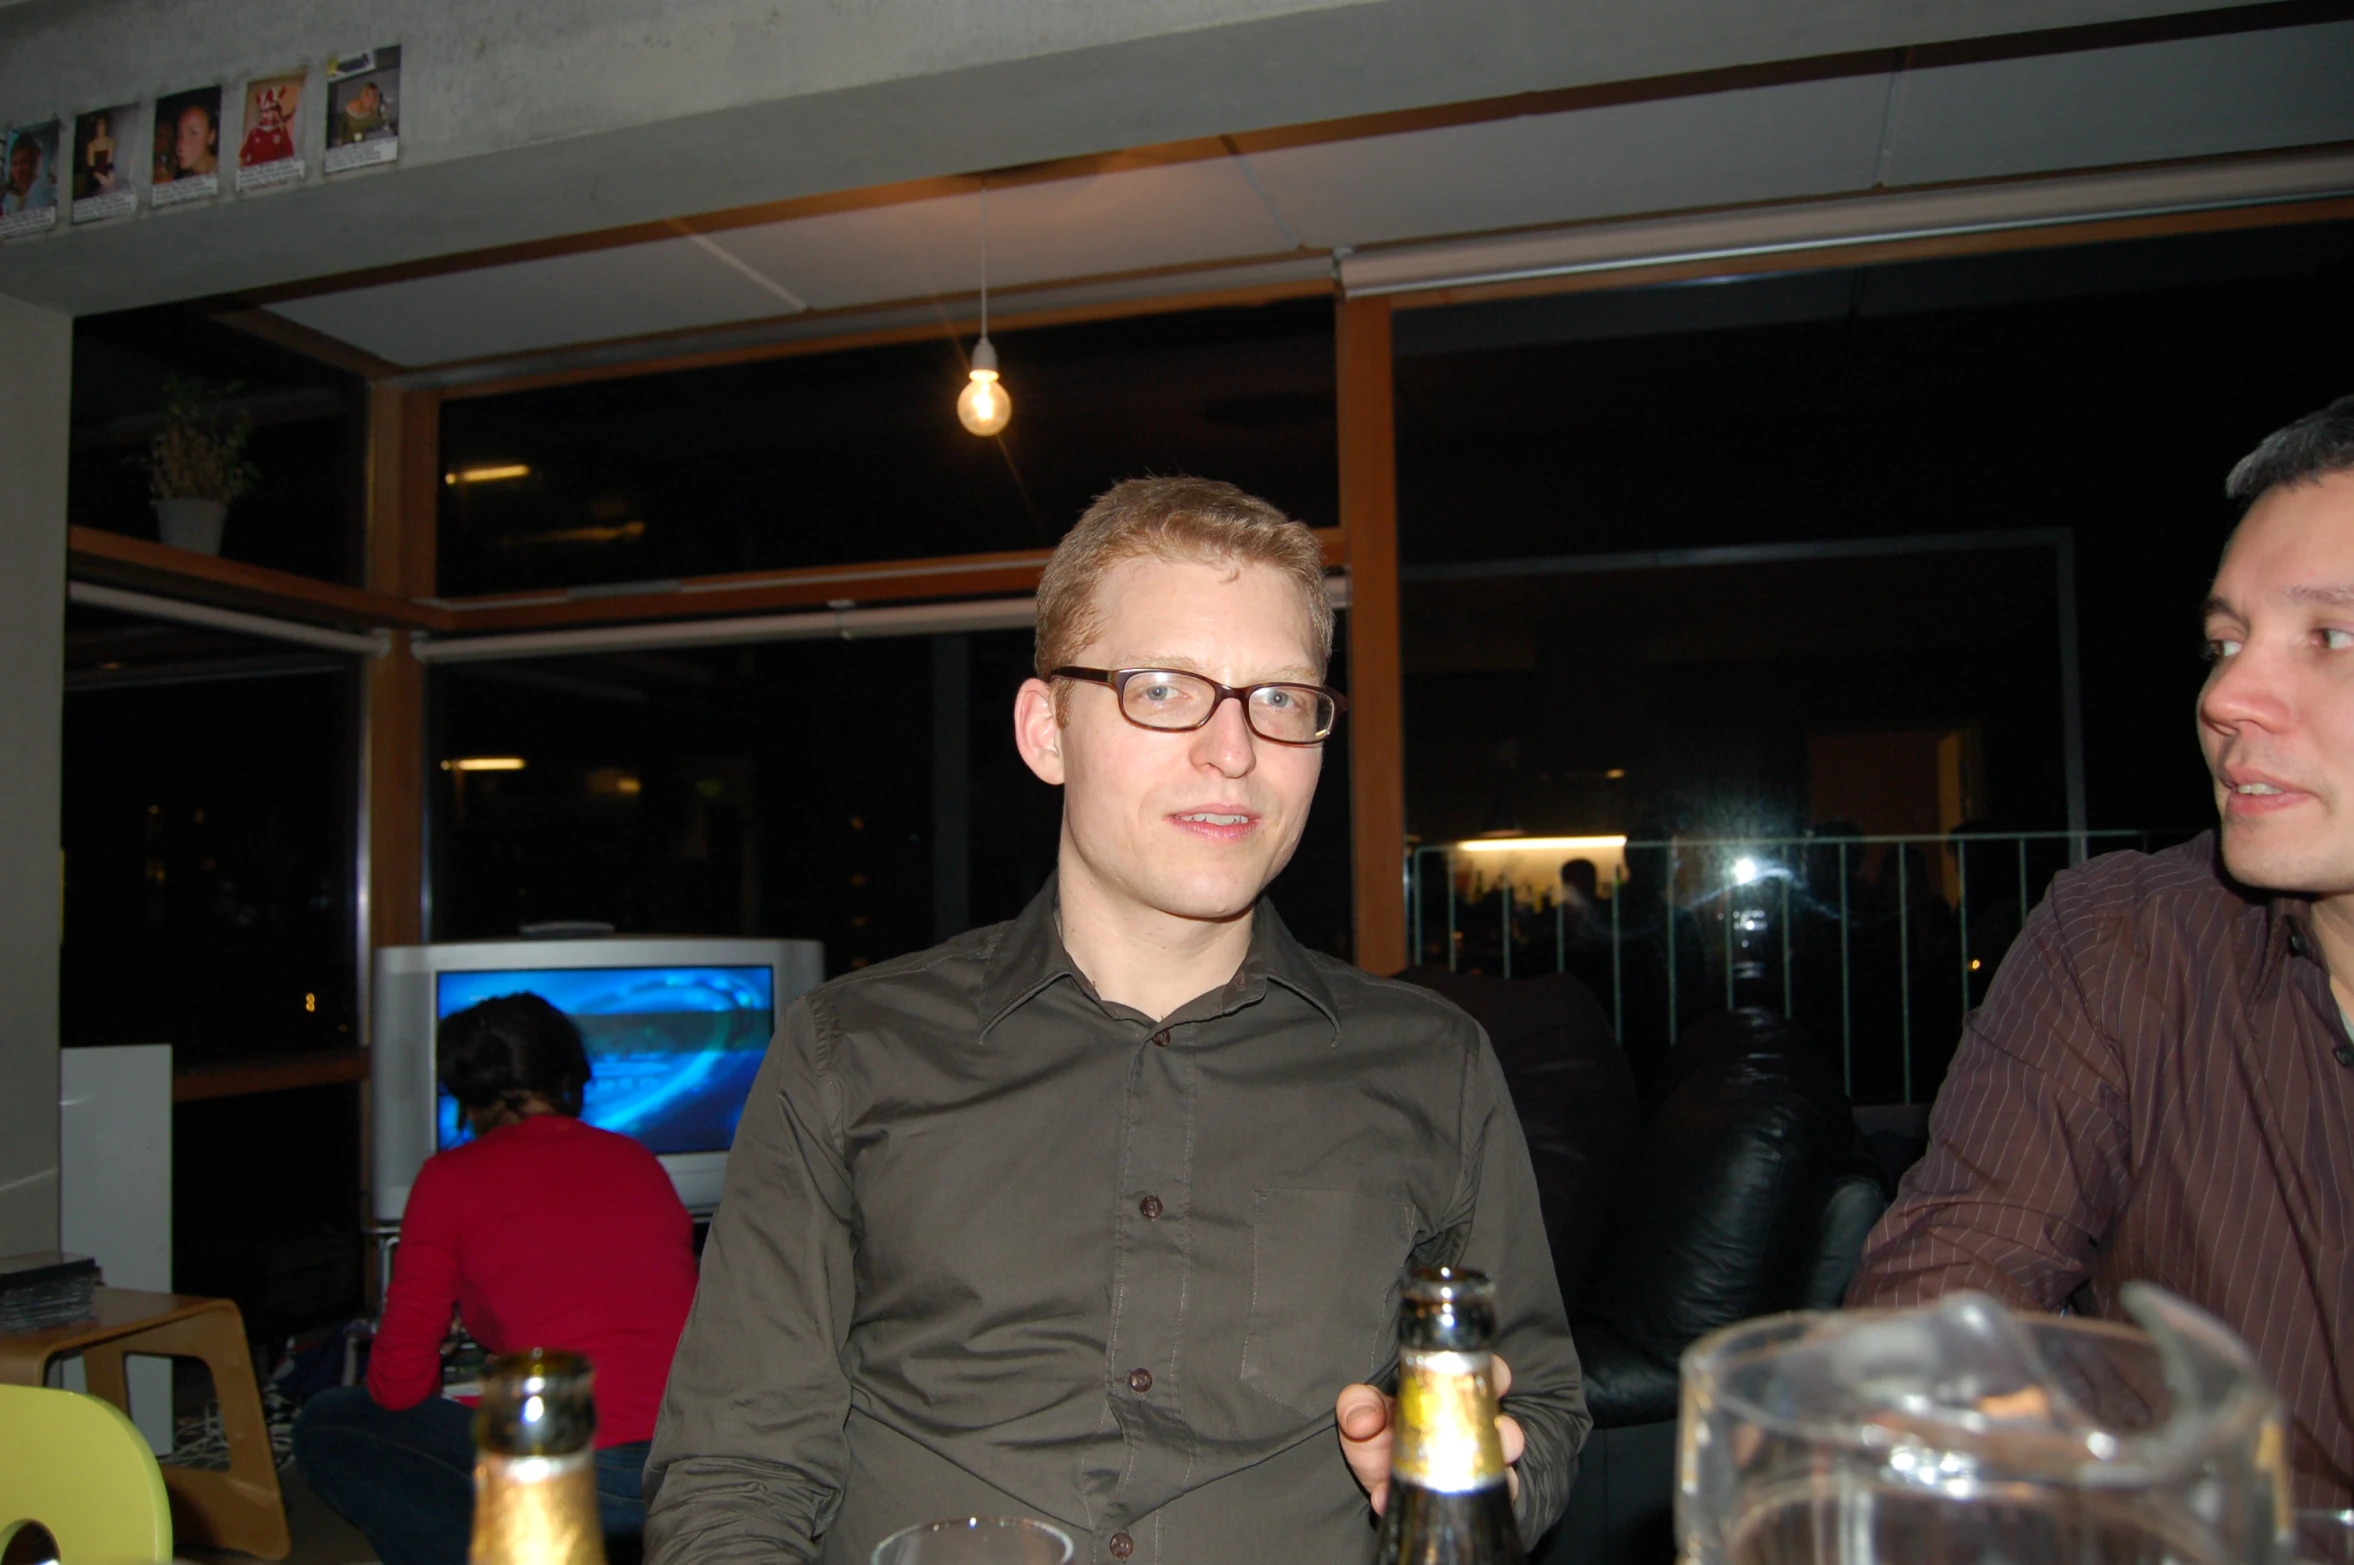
point(1173, 701)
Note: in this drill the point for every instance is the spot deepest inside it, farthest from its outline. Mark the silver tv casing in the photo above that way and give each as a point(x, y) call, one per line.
point(400, 1066)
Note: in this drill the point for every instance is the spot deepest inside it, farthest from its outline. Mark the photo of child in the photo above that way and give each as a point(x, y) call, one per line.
point(102, 168)
point(266, 156)
point(187, 147)
point(363, 109)
point(28, 199)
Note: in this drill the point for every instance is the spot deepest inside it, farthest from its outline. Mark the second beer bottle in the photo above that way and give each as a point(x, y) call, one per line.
point(1449, 1501)
point(535, 1474)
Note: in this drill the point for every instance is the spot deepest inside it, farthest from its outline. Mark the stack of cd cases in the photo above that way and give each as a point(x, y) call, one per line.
point(46, 1289)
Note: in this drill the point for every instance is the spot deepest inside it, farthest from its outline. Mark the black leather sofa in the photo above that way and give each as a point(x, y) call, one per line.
point(1751, 1194)
point(1746, 1192)
point(1574, 1093)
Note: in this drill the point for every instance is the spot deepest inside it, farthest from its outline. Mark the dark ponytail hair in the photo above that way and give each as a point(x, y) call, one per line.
point(506, 1050)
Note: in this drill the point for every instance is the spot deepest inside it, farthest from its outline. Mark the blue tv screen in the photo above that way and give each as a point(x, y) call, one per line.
point(671, 1050)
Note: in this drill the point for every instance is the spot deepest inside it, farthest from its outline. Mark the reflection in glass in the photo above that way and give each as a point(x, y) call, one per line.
point(866, 794)
point(843, 457)
point(209, 804)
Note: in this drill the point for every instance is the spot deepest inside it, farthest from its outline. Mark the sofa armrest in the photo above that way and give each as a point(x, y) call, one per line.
point(1624, 1385)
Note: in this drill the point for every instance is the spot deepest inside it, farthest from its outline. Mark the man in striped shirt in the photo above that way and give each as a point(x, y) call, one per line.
point(2160, 1084)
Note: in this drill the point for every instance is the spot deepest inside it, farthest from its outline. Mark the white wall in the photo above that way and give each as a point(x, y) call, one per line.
point(36, 369)
point(114, 1204)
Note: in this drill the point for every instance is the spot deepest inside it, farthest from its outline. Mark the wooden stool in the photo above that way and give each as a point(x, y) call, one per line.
point(239, 1509)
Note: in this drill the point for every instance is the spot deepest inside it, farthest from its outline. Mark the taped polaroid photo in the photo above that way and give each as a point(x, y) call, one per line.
point(266, 155)
point(105, 163)
point(28, 198)
point(363, 110)
point(187, 148)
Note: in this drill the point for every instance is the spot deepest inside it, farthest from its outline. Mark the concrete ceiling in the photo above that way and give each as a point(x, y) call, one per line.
point(1868, 131)
point(525, 124)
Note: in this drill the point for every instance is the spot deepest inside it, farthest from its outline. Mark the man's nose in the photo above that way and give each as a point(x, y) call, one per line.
point(1226, 741)
point(2246, 687)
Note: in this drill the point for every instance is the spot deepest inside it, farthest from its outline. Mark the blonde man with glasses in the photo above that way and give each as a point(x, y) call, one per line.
point(1100, 1216)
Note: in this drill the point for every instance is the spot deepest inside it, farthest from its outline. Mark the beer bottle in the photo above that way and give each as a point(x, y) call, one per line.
point(535, 1463)
point(1449, 1503)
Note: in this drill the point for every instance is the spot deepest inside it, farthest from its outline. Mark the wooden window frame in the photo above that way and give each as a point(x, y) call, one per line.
point(403, 488)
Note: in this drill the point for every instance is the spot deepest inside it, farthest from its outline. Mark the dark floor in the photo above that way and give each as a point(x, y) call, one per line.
point(320, 1536)
point(323, 1538)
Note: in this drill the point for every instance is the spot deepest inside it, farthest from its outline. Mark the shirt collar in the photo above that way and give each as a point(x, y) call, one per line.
point(2286, 919)
point(1030, 957)
point(1274, 957)
point(2287, 936)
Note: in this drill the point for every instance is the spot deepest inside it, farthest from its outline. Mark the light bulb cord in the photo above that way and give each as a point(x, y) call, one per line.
point(984, 256)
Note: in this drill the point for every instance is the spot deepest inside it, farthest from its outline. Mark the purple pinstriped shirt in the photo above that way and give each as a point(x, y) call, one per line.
point(2160, 1086)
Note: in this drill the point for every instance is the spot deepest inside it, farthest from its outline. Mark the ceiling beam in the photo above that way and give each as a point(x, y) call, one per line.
point(1853, 230)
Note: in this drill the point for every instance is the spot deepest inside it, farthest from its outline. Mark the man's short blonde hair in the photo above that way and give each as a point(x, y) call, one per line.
point(1190, 520)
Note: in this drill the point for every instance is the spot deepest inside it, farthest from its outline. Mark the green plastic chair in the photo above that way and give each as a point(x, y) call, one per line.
point(81, 1469)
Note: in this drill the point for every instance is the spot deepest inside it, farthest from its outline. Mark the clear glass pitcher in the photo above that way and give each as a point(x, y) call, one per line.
point(1964, 1434)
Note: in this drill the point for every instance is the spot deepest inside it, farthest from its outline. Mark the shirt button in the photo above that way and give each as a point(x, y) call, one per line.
point(2296, 944)
point(1150, 1206)
point(1121, 1545)
point(1161, 1039)
point(1140, 1381)
point(2344, 1054)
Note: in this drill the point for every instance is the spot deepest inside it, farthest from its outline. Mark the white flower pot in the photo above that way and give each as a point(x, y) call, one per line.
point(191, 524)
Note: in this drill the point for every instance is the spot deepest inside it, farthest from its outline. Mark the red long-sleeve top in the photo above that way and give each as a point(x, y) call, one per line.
point(546, 1233)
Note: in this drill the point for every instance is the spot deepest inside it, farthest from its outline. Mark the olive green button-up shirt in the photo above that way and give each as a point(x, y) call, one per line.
point(993, 1245)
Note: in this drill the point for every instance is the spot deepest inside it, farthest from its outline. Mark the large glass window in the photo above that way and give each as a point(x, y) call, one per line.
point(2103, 390)
point(839, 457)
point(1764, 573)
point(210, 788)
point(863, 793)
point(777, 789)
point(309, 442)
point(1732, 697)
point(209, 819)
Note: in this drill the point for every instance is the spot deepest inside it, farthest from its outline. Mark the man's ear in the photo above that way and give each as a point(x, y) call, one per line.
point(1037, 734)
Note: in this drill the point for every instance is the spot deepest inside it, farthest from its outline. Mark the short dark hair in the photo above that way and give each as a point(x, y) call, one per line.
point(2305, 452)
point(514, 1047)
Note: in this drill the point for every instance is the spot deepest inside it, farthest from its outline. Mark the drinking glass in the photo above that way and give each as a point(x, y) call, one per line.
point(1962, 1432)
point(976, 1540)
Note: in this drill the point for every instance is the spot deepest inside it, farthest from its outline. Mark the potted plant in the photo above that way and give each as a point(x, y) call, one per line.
point(196, 465)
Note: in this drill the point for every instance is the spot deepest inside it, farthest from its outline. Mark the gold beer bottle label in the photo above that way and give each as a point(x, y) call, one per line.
point(1446, 1439)
point(536, 1510)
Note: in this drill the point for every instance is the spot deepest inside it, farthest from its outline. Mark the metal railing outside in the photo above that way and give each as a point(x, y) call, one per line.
point(1881, 941)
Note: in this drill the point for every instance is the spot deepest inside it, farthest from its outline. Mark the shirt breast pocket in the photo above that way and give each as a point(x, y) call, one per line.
point(1326, 1270)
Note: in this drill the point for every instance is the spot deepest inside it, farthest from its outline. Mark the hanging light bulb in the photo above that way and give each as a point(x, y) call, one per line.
point(983, 406)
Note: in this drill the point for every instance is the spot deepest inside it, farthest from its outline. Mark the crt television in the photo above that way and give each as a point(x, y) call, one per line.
point(675, 1029)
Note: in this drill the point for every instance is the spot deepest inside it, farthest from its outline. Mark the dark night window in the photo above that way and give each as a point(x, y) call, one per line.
point(856, 455)
point(309, 436)
point(2101, 391)
point(1780, 561)
point(210, 815)
point(863, 793)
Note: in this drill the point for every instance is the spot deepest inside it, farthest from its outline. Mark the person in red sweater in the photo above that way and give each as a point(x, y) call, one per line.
point(267, 140)
point(542, 1232)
